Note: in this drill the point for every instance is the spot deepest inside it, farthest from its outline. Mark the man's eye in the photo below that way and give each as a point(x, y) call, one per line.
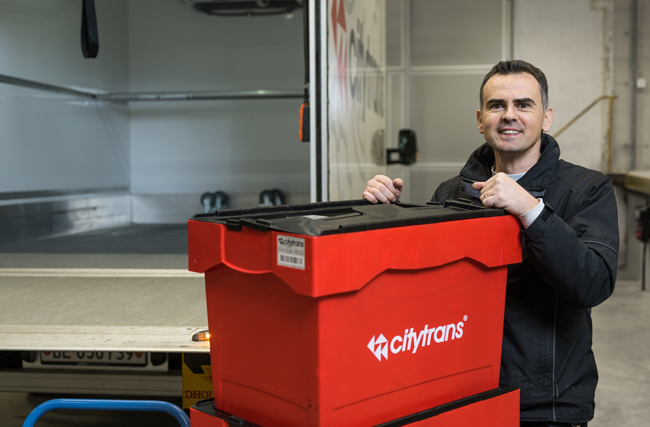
point(497, 106)
point(524, 105)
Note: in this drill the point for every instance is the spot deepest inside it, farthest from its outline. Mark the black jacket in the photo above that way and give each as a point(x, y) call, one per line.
point(569, 265)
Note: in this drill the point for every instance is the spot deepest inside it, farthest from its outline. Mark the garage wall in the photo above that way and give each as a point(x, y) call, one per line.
point(572, 43)
point(452, 44)
point(56, 142)
point(643, 94)
point(630, 98)
point(625, 86)
point(181, 149)
point(64, 160)
point(437, 55)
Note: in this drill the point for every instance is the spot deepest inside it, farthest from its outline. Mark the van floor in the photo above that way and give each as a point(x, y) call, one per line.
point(128, 276)
point(119, 278)
point(133, 246)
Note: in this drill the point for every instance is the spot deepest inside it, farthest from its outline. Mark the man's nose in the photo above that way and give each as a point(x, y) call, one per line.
point(509, 114)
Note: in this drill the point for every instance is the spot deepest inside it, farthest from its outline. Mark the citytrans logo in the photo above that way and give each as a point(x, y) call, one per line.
point(291, 242)
point(412, 341)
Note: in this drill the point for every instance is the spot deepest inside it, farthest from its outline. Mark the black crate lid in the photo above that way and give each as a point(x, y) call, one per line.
point(326, 218)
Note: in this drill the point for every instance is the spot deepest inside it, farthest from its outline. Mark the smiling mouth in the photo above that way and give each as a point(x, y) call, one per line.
point(509, 132)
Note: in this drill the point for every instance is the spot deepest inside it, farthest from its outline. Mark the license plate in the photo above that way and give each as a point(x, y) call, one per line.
point(100, 358)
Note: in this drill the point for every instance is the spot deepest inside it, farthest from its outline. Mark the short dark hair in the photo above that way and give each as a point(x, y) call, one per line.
point(517, 66)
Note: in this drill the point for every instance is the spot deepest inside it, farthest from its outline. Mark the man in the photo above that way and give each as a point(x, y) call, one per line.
point(570, 244)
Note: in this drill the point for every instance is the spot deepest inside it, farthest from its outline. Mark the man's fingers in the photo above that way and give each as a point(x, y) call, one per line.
point(484, 188)
point(384, 194)
point(382, 189)
point(380, 195)
point(375, 195)
point(369, 197)
point(382, 179)
point(489, 200)
point(389, 189)
point(501, 191)
point(484, 199)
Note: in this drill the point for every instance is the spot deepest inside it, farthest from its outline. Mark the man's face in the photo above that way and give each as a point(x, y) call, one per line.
point(512, 116)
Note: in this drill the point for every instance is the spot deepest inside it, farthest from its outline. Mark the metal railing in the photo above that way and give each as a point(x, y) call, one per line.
point(611, 99)
point(154, 96)
point(203, 95)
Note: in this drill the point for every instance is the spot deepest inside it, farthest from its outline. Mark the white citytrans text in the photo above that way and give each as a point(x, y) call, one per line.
point(411, 341)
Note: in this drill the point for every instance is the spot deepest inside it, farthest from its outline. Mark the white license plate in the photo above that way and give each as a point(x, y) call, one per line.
point(100, 358)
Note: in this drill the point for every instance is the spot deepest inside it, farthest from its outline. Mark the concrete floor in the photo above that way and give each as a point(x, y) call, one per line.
point(621, 334)
point(622, 349)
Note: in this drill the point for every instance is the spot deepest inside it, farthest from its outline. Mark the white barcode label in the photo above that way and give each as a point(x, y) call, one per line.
point(291, 252)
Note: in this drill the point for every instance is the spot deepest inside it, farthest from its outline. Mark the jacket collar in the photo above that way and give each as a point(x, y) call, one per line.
point(479, 168)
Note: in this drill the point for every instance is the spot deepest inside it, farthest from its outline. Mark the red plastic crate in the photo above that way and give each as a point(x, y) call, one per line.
point(501, 410)
point(324, 345)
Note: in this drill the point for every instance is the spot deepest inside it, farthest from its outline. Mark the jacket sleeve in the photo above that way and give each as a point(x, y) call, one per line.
point(578, 257)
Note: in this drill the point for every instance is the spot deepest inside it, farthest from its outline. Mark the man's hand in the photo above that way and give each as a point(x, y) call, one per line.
point(382, 189)
point(501, 191)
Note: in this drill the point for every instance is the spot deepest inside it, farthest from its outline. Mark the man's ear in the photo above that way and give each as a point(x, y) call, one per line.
point(479, 120)
point(548, 120)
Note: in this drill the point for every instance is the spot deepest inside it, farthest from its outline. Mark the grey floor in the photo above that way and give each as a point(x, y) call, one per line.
point(622, 349)
point(621, 327)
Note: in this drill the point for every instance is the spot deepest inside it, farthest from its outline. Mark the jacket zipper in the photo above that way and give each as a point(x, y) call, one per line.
point(556, 393)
